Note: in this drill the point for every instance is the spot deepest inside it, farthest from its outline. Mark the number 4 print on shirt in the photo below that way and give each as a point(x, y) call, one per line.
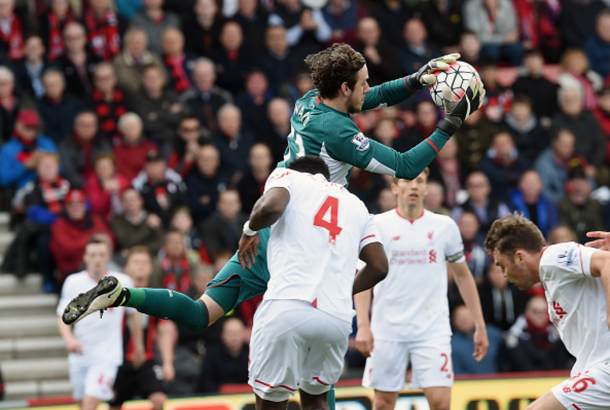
point(331, 203)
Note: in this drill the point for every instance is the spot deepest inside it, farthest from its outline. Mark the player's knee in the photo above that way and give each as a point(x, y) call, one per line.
point(157, 400)
point(314, 402)
point(384, 401)
point(439, 405)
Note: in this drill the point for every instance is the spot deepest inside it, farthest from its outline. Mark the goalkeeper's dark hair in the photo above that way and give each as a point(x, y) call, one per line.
point(334, 66)
point(310, 164)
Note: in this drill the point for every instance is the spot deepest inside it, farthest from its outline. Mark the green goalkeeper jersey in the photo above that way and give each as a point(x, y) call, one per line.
point(317, 129)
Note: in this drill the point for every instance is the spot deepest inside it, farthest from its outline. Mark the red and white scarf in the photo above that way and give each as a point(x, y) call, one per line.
point(56, 41)
point(103, 34)
point(53, 193)
point(14, 39)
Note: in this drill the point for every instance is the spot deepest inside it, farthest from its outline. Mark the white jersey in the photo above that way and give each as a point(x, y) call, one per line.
point(411, 303)
point(577, 303)
point(313, 248)
point(102, 340)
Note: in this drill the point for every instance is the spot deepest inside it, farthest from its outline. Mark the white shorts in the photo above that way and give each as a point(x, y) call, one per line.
point(95, 381)
point(295, 346)
point(431, 362)
point(588, 390)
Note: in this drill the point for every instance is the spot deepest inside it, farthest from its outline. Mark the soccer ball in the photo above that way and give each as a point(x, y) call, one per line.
point(455, 77)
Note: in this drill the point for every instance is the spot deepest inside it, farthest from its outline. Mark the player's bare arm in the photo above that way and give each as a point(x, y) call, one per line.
point(376, 268)
point(166, 331)
point(603, 241)
point(65, 331)
point(468, 290)
point(600, 267)
point(267, 210)
point(365, 342)
point(134, 323)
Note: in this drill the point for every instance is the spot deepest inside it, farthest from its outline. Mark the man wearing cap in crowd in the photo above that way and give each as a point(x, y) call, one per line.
point(18, 155)
point(71, 232)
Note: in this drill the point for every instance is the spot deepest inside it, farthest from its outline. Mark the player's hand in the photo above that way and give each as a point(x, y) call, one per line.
point(481, 344)
point(169, 373)
point(456, 111)
point(425, 76)
point(139, 358)
point(602, 243)
point(248, 248)
point(365, 342)
point(74, 346)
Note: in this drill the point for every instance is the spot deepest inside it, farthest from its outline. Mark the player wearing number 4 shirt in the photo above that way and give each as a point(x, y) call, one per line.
point(410, 312)
point(301, 329)
point(576, 281)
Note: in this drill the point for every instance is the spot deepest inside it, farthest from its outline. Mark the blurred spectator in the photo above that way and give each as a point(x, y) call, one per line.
point(204, 99)
point(175, 266)
point(252, 185)
point(533, 344)
point(447, 169)
point(104, 188)
point(551, 164)
point(532, 83)
point(177, 63)
point(186, 146)
point(41, 200)
point(444, 21)
point(133, 148)
point(252, 18)
point(477, 259)
point(233, 60)
point(51, 25)
point(278, 60)
point(498, 98)
point(529, 136)
point(161, 187)
point(57, 108)
point(529, 200)
point(385, 132)
point(298, 86)
point(253, 102)
point(435, 199)
point(78, 62)
point(135, 226)
point(278, 128)
point(426, 117)
point(474, 138)
point(222, 230)
point(577, 209)
point(391, 16)
point(102, 24)
point(561, 234)
point(159, 109)
point(130, 64)
point(417, 50)
point(202, 30)
point(597, 46)
point(233, 141)
point(78, 149)
point(11, 103)
point(18, 155)
point(154, 21)
point(204, 183)
point(306, 28)
point(495, 22)
point(462, 345)
point(575, 73)
point(577, 21)
point(486, 207)
point(11, 31)
point(538, 26)
point(109, 101)
point(503, 166)
point(228, 362)
point(182, 221)
point(28, 71)
point(386, 201)
point(501, 301)
point(573, 116)
point(342, 17)
point(470, 48)
point(71, 232)
point(380, 57)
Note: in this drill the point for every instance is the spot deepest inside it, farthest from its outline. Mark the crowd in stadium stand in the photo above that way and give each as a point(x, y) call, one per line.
point(156, 123)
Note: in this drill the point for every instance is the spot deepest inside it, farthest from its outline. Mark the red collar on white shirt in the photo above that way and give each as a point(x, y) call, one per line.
point(422, 214)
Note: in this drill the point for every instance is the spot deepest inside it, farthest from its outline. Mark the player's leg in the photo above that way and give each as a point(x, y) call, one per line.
point(262, 404)
point(588, 390)
point(433, 371)
point(150, 384)
point(157, 399)
point(313, 402)
point(385, 372)
point(77, 381)
point(548, 401)
point(99, 382)
point(124, 386)
point(89, 403)
point(439, 398)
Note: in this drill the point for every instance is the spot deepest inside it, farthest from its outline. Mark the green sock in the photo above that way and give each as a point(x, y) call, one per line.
point(330, 398)
point(167, 304)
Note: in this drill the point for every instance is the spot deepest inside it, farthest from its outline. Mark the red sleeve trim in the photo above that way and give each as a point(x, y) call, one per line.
point(367, 237)
point(407, 85)
point(431, 143)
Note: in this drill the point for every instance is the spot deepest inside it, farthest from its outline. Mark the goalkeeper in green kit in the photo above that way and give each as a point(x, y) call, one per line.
point(321, 126)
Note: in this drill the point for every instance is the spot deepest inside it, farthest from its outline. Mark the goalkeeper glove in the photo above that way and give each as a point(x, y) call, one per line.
point(424, 76)
point(457, 111)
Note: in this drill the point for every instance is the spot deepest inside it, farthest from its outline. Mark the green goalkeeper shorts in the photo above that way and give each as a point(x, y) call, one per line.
point(233, 284)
